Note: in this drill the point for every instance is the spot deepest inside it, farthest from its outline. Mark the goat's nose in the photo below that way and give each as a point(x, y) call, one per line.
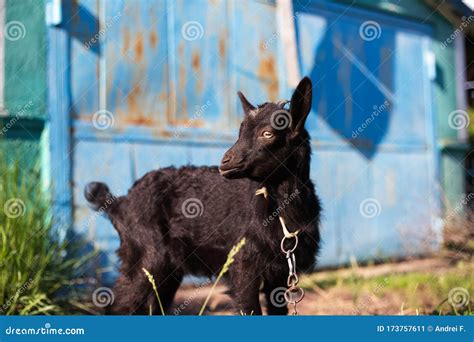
point(227, 158)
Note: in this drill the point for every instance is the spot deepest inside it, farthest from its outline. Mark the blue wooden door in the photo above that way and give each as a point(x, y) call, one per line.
point(372, 126)
point(152, 83)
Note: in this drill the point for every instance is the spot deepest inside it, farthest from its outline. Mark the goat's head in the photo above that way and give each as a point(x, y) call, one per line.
point(268, 135)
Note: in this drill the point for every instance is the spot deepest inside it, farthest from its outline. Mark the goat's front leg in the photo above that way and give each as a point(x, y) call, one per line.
point(274, 286)
point(246, 299)
point(245, 290)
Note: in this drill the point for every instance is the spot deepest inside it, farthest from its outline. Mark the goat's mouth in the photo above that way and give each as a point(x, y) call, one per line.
point(230, 173)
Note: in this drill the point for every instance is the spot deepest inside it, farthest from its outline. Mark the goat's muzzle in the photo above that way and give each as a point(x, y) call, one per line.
point(229, 168)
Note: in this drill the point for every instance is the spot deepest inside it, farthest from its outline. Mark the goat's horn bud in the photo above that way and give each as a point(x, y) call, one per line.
point(282, 103)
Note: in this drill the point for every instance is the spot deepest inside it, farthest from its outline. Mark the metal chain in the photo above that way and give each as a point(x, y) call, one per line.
point(293, 294)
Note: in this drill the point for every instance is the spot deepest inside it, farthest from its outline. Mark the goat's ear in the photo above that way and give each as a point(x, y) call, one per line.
point(246, 105)
point(301, 105)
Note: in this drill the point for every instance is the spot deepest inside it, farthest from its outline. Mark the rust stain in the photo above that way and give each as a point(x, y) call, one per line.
point(140, 121)
point(163, 96)
point(126, 40)
point(196, 64)
point(165, 133)
point(167, 95)
point(222, 47)
point(139, 47)
point(183, 109)
point(181, 90)
point(187, 123)
point(170, 108)
point(153, 39)
point(135, 115)
point(196, 61)
point(182, 78)
point(133, 101)
point(267, 71)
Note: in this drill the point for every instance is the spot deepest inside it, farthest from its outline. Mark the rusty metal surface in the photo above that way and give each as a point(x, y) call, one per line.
point(168, 72)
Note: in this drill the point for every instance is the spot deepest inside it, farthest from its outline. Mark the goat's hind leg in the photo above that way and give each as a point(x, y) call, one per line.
point(128, 295)
point(137, 297)
point(167, 289)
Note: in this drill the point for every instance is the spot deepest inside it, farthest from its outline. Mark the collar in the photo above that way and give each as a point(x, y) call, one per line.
point(263, 191)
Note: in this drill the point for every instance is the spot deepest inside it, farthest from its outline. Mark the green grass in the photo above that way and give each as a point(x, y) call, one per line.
point(229, 261)
point(151, 279)
point(37, 269)
point(423, 292)
point(470, 128)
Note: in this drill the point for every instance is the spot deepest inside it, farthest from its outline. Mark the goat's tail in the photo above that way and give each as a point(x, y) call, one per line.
point(99, 196)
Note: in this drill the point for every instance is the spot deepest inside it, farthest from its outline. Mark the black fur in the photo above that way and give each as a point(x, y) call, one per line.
point(156, 234)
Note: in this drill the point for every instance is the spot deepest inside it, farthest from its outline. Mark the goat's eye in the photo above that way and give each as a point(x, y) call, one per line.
point(267, 134)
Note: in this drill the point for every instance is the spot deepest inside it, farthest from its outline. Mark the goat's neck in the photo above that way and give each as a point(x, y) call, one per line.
point(294, 191)
point(293, 188)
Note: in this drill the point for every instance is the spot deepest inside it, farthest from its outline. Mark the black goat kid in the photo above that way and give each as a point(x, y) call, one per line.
point(182, 221)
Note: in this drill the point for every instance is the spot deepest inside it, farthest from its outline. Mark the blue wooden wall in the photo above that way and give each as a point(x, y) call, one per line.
point(159, 87)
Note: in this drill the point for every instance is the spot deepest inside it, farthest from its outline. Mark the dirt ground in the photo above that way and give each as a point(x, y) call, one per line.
point(352, 291)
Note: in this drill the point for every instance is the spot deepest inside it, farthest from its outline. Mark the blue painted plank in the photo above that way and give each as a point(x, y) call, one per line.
point(408, 200)
point(373, 84)
point(81, 22)
point(59, 124)
point(154, 156)
point(255, 40)
point(207, 155)
point(201, 64)
point(136, 73)
point(341, 179)
point(101, 161)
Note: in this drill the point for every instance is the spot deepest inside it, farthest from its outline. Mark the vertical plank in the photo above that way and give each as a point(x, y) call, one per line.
point(201, 65)
point(59, 127)
point(136, 50)
point(255, 49)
